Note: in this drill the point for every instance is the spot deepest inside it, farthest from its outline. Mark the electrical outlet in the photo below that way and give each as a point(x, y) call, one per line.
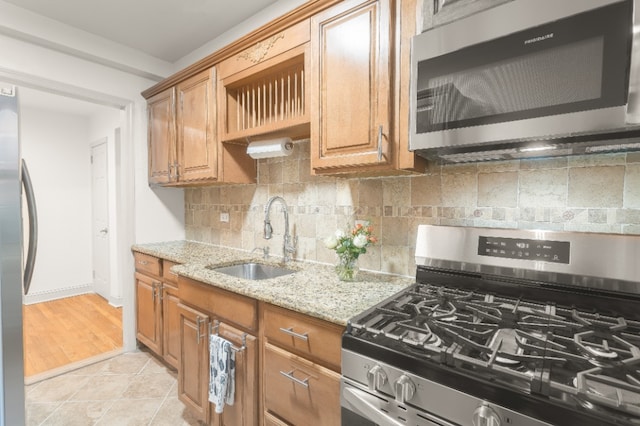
point(224, 217)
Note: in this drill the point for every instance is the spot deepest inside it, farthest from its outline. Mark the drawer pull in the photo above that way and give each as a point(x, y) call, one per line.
point(289, 376)
point(292, 333)
point(143, 262)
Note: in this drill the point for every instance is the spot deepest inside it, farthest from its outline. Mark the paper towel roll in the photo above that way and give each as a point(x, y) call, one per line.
point(280, 147)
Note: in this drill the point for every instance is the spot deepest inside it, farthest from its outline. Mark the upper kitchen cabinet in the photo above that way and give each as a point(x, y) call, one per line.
point(438, 12)
point(183, 147)
point(161, 136)
point(195, 124)
point(358, 82)
point(262, 90)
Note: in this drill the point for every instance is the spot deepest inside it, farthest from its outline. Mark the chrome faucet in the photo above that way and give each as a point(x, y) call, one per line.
point(287, 247)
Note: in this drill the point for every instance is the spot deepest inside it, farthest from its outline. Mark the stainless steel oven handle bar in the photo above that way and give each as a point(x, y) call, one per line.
point(364, 404)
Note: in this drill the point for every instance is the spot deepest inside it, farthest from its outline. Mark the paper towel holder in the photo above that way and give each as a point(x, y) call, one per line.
point(270, 148)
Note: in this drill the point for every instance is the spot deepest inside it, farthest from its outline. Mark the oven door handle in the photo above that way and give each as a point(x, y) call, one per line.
point(370, 411)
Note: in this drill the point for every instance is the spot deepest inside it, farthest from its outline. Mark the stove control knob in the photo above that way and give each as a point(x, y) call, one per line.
point(376, 378)
point(404, 389)
point(485, 416)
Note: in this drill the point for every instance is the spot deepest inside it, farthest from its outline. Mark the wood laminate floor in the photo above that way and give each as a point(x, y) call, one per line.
point(65, 331)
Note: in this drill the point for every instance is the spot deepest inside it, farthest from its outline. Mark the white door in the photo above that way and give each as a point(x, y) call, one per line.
point(100, 221)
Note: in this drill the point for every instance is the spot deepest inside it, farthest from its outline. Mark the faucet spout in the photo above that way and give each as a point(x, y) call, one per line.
point(287, 247)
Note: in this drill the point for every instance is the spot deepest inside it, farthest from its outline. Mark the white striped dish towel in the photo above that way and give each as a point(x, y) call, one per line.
point(221, 372)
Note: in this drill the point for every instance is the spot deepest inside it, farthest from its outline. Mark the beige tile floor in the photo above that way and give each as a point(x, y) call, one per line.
point(130, 389)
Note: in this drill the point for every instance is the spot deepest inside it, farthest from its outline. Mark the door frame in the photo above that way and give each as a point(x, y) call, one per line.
point(132, 121)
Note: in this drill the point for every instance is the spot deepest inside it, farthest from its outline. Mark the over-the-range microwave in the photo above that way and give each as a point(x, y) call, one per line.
point(528, 78)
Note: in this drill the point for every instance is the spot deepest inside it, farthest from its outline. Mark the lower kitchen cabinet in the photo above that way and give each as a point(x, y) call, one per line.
point(157, 325)
point(148, 312)
point(300, 391)
point(193, 369)
point(201, 308)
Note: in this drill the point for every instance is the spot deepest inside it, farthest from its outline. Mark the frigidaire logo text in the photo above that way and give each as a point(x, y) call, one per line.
point(539, 38)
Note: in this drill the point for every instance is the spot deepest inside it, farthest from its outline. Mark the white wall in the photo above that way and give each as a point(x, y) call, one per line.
point(54, 145)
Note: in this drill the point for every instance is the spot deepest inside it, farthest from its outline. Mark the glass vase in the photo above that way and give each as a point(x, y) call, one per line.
point(347, 268)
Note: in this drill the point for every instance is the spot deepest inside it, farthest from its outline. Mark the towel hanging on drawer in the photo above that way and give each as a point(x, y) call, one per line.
point(221, 372)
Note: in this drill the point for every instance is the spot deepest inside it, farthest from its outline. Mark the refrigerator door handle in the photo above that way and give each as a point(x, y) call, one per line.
point(33, 227)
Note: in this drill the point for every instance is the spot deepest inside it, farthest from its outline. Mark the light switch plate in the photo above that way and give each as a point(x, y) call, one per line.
point(224, 217)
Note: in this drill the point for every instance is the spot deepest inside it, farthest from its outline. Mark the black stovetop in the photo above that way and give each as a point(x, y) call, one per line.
point(548, 349)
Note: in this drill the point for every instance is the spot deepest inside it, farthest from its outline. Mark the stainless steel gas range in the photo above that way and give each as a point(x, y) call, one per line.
point(502, 328)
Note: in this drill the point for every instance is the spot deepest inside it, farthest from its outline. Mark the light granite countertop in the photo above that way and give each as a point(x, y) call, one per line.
point(314, 289)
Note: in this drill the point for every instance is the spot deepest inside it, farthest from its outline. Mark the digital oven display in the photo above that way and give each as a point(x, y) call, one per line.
point(517, 248)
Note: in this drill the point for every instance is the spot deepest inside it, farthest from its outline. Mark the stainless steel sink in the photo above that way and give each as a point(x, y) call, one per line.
point(252, 270)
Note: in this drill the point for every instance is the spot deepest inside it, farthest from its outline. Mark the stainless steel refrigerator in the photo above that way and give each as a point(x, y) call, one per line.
point(15, 271)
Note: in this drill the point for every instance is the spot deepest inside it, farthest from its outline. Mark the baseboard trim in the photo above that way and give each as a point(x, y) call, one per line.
point(47, 296)
point(116, 302)
point(30, 380)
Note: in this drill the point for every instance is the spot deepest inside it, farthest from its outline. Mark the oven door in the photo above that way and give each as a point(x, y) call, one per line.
point(362, 407)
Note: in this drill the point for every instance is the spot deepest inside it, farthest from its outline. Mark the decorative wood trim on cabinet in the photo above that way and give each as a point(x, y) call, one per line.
point(270, 29)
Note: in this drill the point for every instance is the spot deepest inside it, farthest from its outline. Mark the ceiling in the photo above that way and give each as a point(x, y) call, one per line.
point(165, 29)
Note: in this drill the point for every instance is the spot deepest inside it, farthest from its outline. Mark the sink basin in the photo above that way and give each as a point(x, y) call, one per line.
point(252, 271)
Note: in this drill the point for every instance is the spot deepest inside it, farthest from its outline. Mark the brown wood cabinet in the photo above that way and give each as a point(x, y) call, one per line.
point(300, 391)
point(193, 369)
point(196, 144)
point(149, 312)
point(351, 86)
point(183, 146)
point(161, 136)
point(360, 87)
point(156, 307)
point(263, 89)
point(301, 368)
point(213, 310)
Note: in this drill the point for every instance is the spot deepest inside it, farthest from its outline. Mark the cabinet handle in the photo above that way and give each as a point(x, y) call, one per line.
point(143, 262)
point(169, 165)
point(177, 167)
point(153, 292)
point(292, 333)
point(199, 322)
point(289, 375)
point(380, 143)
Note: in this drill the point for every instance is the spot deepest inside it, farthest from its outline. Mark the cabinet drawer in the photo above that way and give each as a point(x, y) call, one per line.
point(307, 336)
point(167, 275)
point(148, 264)
point(299, 391)
point(233, 308)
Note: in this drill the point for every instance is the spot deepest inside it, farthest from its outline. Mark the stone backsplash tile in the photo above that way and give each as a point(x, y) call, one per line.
point(589, 194)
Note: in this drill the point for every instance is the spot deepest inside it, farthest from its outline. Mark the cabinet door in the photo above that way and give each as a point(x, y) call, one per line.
point(299, 391)
point(161, 136)
point(170, 325)
point(148, 312)
point(196, 139)
point(193, 370)
point(244, 411)
point(351, 85)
